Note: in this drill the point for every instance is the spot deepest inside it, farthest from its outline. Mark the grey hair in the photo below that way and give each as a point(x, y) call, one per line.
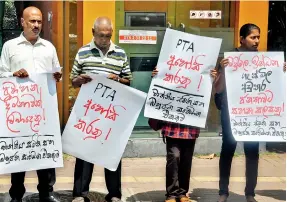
point(103, 21)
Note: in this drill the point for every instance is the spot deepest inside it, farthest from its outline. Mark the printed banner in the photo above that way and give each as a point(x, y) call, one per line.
point(102, 121)
point(256, 90)
point(137, 37)
point(181, 91)
point(31, 136)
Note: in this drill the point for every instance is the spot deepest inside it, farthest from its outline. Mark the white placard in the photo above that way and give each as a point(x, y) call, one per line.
point(30, 129)
point(256, 89)
point(137, 37)
point(102, 121)
point(181, 91)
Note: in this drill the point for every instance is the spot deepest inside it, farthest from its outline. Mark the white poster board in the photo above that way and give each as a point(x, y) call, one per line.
point(181, 91)
point(30, 128)
point(102, 121)
point(256, 90)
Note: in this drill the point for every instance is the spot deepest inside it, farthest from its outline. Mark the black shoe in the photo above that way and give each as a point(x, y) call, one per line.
point(49, 199)
point(16, 200)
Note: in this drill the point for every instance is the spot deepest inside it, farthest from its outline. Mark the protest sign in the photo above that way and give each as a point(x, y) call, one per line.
point(102, 121)
point(181, 91)
point(256, 90)
point(30, 129)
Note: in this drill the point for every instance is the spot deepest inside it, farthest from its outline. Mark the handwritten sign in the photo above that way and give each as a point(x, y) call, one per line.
point(102, 121)
point(30, 129)
point(181, 91)
point(256, 89)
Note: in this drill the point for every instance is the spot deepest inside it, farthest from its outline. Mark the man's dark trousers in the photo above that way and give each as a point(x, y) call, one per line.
point(46, 178)
point(83, 176)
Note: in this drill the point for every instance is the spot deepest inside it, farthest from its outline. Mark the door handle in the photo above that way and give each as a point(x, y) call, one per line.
point(182, 27)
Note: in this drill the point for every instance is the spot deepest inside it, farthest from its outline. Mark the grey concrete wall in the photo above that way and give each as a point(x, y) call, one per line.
point(154, 147)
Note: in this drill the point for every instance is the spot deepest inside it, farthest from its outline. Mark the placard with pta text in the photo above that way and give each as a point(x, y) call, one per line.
point(102, 121)
point(181, 91)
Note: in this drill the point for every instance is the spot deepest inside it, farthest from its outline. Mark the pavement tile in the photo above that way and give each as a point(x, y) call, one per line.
point(144, 180)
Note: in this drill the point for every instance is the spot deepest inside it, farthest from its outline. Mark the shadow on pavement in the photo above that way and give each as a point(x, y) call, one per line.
point(198, 195)
point(150, 196)
point(276, 194)
point(277, 147)
point(207, 195)
point(64, 196)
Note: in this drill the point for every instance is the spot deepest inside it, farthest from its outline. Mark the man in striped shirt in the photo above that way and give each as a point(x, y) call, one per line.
point(100, 56)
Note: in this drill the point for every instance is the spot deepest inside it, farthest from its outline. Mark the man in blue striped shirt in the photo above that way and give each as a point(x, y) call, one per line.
point(100, 56)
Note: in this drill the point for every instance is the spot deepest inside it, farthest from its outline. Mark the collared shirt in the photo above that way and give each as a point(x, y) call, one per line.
point(19, 54)
point(176, 130)
point(91, 60)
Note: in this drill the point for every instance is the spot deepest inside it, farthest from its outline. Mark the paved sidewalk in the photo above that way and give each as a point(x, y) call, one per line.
point(144, 180)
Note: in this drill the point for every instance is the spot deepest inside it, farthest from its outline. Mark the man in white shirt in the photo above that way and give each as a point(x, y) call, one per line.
point(24, 55)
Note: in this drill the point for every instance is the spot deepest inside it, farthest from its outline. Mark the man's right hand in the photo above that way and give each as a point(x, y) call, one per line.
point(22, 73)
point(81, 79)
point(154, 72)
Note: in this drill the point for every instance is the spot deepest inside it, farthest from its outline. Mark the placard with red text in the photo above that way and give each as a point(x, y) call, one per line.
point(181, 91)
point(102, 121)
point(30, 136)
point(256, 90)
